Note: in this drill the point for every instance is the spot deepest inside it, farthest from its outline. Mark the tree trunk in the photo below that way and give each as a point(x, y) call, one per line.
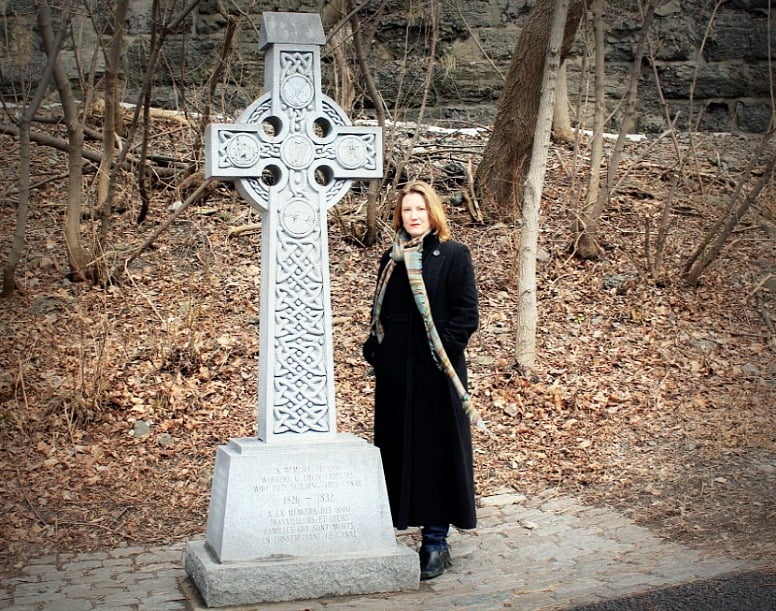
point(336, 20)
point(500, 175)
point(586, 246)
point(562, 130)
point(78, 257)
point(373, 194)
point(588, 240)
point(106, 178)
point(525, 346)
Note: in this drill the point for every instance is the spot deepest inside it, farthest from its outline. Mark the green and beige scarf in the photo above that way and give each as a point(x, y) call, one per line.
point(410, 250)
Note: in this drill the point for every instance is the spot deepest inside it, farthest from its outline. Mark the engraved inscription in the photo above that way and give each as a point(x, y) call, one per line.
point(310, 504)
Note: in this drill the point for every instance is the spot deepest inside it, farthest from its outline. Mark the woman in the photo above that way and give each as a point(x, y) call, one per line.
point(424, 312)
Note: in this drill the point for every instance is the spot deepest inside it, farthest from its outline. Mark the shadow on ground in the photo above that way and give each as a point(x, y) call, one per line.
point(751, 591)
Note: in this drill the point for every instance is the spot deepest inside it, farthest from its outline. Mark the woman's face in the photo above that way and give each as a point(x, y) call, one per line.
point(414, 215)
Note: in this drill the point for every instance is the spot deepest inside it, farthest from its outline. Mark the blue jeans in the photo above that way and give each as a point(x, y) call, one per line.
point(435, 537)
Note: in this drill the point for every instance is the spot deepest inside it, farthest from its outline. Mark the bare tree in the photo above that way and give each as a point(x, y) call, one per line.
point(162, 26)
point(227, 49)
point(78, 257)
point(598, 198)
point(654, 259)
point(500, 175)
point(106, 178)
point(433, 16)
point(337, 22)
point(22, 208)
point(585, 219)
point(717, 235)
point(373, 194)
point(525, 345)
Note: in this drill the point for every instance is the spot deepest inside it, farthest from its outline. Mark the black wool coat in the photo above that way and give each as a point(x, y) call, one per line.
point(422, 432)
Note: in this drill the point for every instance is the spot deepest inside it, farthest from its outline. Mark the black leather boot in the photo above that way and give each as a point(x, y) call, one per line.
point(433, 563)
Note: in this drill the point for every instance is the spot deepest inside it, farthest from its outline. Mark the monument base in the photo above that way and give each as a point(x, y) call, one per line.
point(296, 521)
point(284, 579)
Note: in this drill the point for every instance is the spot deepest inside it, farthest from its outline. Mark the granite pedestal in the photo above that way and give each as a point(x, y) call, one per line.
point(298, 521)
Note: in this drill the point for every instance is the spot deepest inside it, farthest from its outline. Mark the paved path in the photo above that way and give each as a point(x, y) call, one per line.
point(528, 554)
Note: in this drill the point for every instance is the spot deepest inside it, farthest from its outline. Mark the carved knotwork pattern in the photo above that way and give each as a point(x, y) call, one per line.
point(297, 90)
point(257, 191)
point(337, 189)
point(300, 377)
point(300, 368)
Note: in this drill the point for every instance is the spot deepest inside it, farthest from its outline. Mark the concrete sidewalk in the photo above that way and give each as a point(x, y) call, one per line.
point(527, 554)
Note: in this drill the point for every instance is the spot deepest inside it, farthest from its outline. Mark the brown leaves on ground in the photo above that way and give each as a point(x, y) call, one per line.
point(655, 399)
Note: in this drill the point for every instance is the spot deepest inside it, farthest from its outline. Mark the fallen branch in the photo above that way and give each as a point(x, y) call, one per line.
point(62, 145)
point(27, 498)
point(46, 140)
point(241, 229)
point(760, 285)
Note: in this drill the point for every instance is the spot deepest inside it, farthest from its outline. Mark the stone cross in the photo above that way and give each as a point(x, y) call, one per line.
point(296, 520)
point(293, 154)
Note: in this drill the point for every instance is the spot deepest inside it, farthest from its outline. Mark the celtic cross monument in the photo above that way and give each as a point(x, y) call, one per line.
point(300, 510)
point(293, 154)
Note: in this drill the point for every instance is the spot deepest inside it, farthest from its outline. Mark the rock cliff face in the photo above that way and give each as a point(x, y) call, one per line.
point(712, 66)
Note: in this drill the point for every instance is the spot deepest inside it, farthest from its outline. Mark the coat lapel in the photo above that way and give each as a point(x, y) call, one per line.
point(434, 257)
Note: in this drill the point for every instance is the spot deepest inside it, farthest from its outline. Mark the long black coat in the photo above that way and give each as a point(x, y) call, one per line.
point(421, 429)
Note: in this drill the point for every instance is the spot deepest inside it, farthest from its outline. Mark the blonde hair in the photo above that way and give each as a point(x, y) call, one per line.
point(437, 218)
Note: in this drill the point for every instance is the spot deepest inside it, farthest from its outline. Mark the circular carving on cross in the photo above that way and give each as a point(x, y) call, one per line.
point(298, 218)
point(297, 151)
point(297, 91)
point(242, 150)
point(351, 152)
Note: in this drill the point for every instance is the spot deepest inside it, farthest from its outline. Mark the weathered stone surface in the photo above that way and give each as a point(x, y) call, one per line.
point(299, 521)
point(737, 35)
point(306, 499)
point(752, 115)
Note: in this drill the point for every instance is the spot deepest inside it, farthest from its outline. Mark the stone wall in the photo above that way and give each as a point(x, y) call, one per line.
point(725, 86)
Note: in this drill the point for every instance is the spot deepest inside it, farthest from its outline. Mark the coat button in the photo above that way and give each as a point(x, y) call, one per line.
point(436, 252)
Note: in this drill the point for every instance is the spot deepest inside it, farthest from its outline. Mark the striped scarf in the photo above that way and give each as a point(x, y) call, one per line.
point(411, 252)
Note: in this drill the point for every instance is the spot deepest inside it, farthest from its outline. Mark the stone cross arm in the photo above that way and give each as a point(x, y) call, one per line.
point(246, 151)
